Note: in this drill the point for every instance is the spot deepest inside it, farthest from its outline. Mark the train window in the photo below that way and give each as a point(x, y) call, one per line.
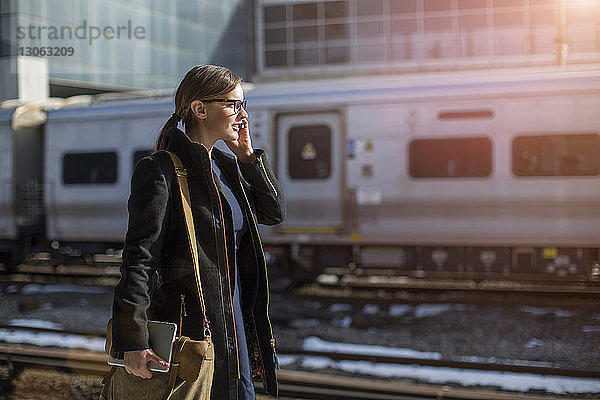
point(139, 154)
point(450, 158)
point(274, 14)
point(309, 152)
point(557, 155)
point(89, 168)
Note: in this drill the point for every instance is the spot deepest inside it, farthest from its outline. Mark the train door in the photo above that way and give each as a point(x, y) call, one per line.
point(310, 156)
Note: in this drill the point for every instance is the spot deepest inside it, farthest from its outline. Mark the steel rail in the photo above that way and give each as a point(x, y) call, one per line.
point(305, 385)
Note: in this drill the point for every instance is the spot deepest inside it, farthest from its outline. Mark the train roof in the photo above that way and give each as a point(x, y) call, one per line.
point(500, 82)
point(341, 90)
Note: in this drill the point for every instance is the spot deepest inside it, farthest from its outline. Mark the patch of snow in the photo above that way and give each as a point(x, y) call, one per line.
point(52, 339)
point(464, 307)
point(338, 307)
point(304, 323)
point(35, 323)
point(34, 288)
point(398, 310)
point(370, 309)
point(495, 360)
point(543, 311)
point(590, 328)
point(12, 289)
point(314, 343)
point(315, 305)
point(344, 322)
point(430, 310)
point(534, 343)
point(438, 375)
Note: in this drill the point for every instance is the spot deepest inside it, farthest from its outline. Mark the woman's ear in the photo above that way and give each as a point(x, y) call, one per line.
point(198, 108)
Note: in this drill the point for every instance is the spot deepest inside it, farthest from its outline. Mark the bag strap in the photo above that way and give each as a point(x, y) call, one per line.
point(189, 223)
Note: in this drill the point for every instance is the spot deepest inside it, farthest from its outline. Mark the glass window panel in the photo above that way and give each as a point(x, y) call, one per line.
point(472, 23)
point(309, 152)
point(582, 14)
point(306, 56)
point(139, 154)
point(582, 40)
point(441, 24)
point(370, 29)
point(473, 44)
point(542, 40)
point(276, 58)
point(404, 27)
point(336, 9)
point(439, 48)
point(508, 3)
point(89, 168)
point(437, 5)
point(471, 4)
point(371, 53)
point(507, 44)
point(403, 6)
point(543, 18)
point(336, 31)
point(274, 14)
point(125, 60)
point(508, 20)
point(369, 7)
point(543, 3)
point(306, 33)
point(275, 36)
point(557, 155)
point(305, 11)
point(335, 55)
point(58, 11)
point(402, 50)
point(450, 158)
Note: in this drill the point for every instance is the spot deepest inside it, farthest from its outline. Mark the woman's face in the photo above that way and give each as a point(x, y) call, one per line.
point(221, 119)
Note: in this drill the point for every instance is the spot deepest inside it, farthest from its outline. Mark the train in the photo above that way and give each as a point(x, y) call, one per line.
point(478, 175)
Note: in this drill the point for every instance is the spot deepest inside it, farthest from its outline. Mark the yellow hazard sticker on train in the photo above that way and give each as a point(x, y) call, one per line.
point(308, 151)
point(550, 252)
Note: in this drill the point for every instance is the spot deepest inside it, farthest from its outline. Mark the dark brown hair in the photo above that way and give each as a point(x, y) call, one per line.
point(201, 82)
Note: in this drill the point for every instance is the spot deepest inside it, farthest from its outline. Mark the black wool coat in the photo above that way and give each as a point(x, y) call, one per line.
point(157, 280)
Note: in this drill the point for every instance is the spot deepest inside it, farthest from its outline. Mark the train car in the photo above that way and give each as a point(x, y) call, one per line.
point(462, 175)
point(90, 153)
point(8, 223)
point(480, 175)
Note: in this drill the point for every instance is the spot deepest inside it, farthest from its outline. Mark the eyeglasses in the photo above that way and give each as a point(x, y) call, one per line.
point(237, 104)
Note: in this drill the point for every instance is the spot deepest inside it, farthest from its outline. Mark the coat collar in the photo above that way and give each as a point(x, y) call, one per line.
point(189, 151)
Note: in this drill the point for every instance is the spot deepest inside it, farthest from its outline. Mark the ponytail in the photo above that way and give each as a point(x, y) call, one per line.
point(163, 137)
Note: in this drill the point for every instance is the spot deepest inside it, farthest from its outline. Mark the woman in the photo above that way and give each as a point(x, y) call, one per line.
point(229, 195)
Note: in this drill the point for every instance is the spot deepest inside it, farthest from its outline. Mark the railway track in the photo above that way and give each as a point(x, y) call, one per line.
point(299, 384)
point(338, 356)
point(334, 278)
point(108, 275)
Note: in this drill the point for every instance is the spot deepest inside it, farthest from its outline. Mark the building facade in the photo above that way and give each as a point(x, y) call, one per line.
point(137, 44)
point(328, 37)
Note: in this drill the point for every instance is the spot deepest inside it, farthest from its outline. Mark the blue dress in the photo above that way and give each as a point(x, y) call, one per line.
point(245, 384)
